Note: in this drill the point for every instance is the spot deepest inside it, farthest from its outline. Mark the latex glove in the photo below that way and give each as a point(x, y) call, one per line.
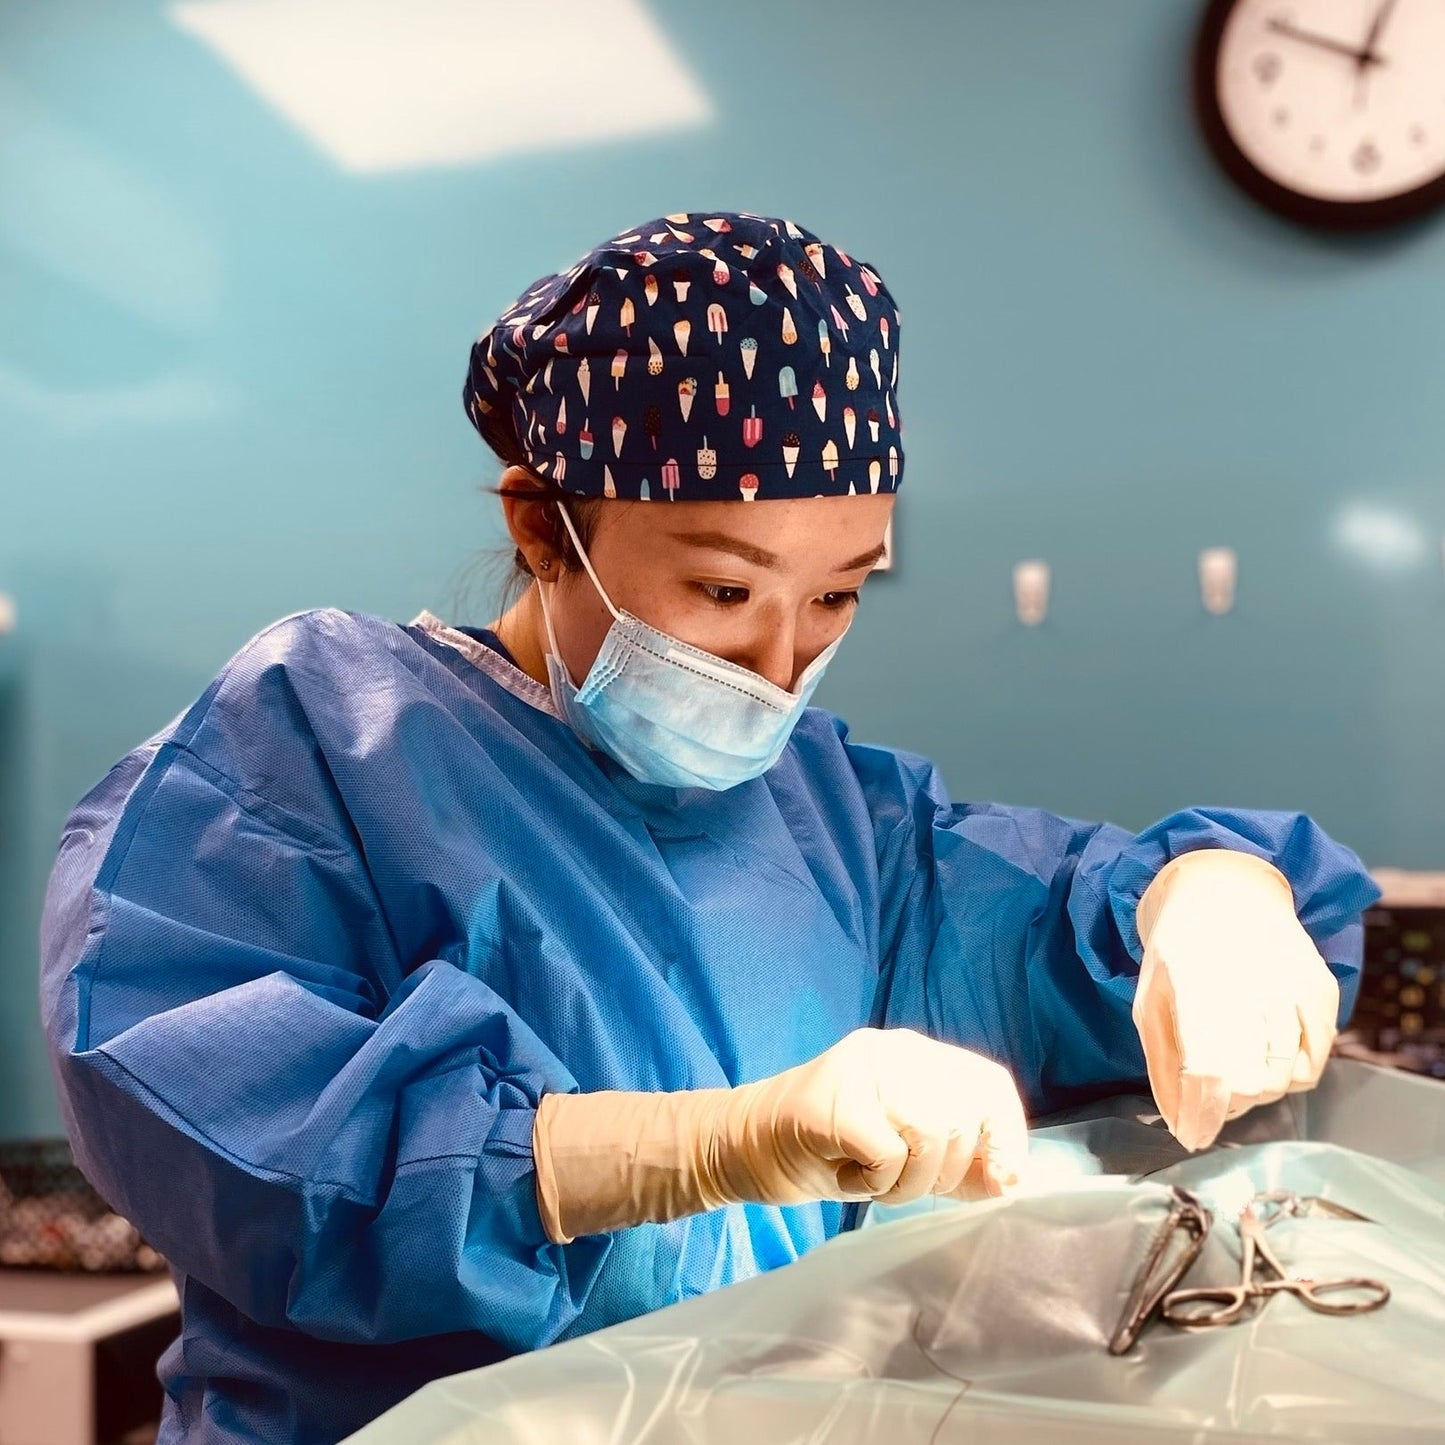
point(885, 1114)
point(1235, 1005)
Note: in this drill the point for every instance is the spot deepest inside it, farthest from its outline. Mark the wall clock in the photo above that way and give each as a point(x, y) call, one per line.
point(1330, 112)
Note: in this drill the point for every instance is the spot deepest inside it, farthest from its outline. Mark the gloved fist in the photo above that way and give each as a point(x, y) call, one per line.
point(885, 1114)
point(1235, 1005)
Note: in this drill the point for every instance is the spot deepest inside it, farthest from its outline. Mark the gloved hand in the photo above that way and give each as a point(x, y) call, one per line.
point(885, 1114)
point(1235, 1005)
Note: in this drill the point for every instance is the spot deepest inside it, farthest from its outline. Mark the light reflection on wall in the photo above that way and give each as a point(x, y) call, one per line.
point(382, 86)
point(1380, 536)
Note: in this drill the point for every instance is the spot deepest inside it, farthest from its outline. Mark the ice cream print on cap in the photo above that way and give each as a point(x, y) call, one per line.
point(738, 357)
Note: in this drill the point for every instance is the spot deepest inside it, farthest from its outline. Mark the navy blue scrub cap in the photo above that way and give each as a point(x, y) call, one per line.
point(704, 357)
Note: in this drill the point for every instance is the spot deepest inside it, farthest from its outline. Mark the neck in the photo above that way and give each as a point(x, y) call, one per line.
point(523, 632)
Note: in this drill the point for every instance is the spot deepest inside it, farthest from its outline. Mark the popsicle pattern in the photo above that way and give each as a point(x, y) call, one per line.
point(801, 338)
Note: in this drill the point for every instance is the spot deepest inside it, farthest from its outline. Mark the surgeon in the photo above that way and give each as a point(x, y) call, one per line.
point(429, 993)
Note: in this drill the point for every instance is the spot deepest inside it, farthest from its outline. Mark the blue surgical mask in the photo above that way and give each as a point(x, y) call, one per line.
point(669, 712)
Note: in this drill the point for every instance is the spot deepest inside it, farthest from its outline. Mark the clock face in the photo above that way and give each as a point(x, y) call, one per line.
point(1330, 110)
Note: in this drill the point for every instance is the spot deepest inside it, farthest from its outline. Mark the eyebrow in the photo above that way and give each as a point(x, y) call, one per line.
point(760, 556)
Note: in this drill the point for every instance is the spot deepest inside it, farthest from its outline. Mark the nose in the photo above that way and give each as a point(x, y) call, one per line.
point(771, 652)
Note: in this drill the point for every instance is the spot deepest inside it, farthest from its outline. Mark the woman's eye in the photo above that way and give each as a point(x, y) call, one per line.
point(837, 600)
point(724, 596)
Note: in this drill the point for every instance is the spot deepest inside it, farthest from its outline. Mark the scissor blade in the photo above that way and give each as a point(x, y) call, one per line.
point(1287, 1204)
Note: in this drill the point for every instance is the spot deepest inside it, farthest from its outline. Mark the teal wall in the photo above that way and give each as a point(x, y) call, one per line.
point(229, 376)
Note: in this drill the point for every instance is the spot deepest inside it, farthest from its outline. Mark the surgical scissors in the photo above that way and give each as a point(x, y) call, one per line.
point(1224, 1304)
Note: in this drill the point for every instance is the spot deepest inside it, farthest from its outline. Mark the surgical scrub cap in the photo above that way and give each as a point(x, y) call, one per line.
point(706, 357)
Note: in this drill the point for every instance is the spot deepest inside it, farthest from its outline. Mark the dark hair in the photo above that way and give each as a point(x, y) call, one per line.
point(585, 513)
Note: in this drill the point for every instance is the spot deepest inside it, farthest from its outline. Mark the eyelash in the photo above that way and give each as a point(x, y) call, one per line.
point(712, 590)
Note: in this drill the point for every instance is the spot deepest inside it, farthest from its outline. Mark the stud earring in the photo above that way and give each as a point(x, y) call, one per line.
point(545, 565)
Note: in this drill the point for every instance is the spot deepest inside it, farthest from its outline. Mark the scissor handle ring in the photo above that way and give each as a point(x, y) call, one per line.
point(1313, 1293)
point(1230, 1302)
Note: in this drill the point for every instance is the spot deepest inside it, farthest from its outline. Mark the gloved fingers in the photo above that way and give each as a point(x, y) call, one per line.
point(1209, 1063)
point(1253, 1067)
point(1283, 1038)
point(909, 1114)
point(1318, 1011)
point(927, 1154)
point(852, 1188)
point(980, 1182)
point(974, 1184)
point(1160, 1038)
point(1165, 1086)
point(959, 1157)
point(1004, 1139)
point(942, 1148)
point(874, 1153)
point(862, 1181)
point(1239, 1106)
point(1204, 1100)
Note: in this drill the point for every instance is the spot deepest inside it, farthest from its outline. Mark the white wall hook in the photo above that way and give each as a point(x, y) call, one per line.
point(1218, 574)
point(1031, 592)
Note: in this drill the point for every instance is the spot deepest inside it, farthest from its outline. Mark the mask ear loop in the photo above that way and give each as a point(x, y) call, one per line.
point(587, 562)
point(547, 618)
point(587, 565)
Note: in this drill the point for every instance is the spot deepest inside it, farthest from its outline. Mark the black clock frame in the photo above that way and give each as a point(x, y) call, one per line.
point(1303, 210)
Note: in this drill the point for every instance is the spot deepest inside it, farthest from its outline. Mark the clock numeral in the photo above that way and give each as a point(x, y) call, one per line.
point(1366, 158)
point(1267, 67)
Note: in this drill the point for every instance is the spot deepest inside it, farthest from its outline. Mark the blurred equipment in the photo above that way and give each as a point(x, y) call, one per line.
point(51, 1218)
point(1031, 592)
point(1218, 574)
point(85, 1307)
point(1400, 1018)
point(78, 1354)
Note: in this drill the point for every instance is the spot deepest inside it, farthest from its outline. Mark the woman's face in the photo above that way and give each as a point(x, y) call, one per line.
point(766, 584)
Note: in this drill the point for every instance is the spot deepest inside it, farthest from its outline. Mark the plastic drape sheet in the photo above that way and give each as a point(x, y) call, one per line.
point(990, 1322)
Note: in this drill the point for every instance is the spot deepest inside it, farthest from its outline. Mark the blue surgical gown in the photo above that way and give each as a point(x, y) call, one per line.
point(313, 953)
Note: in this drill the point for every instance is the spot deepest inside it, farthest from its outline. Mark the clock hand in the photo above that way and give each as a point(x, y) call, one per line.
point(1324, 42)
point(1377, 25)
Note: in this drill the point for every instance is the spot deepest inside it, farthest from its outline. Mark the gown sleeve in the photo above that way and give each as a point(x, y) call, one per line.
point(1012, 932)
point(326, 1135)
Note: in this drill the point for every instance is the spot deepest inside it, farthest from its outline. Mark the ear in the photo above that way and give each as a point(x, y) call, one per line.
point(533, 525)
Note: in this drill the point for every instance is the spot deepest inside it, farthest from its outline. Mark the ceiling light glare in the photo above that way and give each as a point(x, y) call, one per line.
point(381, 86)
